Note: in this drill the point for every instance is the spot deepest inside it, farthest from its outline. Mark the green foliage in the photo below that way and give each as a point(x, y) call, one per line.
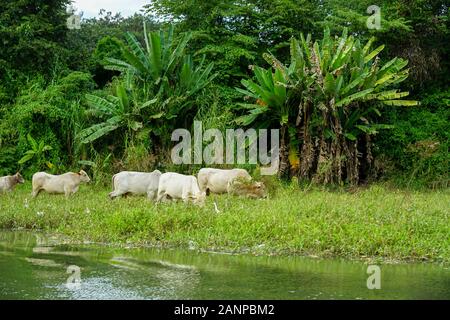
point(418, 144)
point(162, 80)
point(37, 153)
point(414, 30)
point(49, 112)
point(31, 34)
point(87, 46)
point(270, 93)
point(233, 34)
point(107, 47)
point(119, 113)
point(100, 167)
point(162, 69)
point(7, 160)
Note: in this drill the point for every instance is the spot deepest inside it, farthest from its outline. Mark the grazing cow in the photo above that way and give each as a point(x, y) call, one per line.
point(178, 186)
point(8, 183)
point(137, 183)
point(240, 187)
point(67, 183)
point(223, 181)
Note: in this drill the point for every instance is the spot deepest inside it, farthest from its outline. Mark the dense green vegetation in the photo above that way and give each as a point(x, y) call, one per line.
point(374, 223)
point(107, 96)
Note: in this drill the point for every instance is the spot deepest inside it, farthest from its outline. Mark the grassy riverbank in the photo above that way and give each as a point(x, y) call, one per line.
point(370, 223)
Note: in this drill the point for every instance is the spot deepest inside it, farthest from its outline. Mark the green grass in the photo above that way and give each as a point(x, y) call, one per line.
point(376, 222)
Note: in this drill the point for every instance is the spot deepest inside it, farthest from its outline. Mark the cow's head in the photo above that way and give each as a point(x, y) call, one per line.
point(199, 199)
point(257, 190)
point(84, 176)
point(18, 178)
point(254, 190)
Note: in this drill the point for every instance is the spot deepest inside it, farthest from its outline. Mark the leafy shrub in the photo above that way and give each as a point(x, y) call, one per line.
point(50, 113)
point(107, 47)
point(37, 153)
point(419, 142)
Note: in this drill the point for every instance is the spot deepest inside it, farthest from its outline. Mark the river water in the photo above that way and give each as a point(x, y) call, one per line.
point(33, 266)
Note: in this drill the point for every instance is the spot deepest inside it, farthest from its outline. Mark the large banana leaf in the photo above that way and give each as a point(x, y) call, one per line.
point(101, 105)
point(401, 103)
point(97, 131)
point(356, 96)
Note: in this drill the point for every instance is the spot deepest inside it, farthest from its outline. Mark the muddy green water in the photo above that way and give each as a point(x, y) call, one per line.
point(33, 266)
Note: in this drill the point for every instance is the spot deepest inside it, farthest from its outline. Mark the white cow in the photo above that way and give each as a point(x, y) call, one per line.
point(8, 183)
point(232, 181)
point(137, 183)
point(67, 183)
point(218, 180)
point(178, 186)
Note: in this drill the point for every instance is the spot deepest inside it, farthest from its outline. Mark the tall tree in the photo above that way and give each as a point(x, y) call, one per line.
point(234, 34)
point(31, 33)
point(412, 29)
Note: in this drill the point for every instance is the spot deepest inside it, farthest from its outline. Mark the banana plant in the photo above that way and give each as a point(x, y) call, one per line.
point(163, 70)
point(271, 106)
point(117, 112)
point(348, 75)
point(270, 95)
point(156, 62)
point(338, 87)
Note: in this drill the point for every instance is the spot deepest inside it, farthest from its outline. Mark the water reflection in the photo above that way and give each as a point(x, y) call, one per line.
point(33, 266)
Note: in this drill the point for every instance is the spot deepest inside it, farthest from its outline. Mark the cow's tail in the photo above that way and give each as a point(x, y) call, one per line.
point(113, 180)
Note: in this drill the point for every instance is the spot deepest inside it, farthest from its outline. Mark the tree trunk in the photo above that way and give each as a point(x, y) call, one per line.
point(283, 172)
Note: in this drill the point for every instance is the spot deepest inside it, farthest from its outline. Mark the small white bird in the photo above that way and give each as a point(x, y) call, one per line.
point(216, 208)
point(192, 245)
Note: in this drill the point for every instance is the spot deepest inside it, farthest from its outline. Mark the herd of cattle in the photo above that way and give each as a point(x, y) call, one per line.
point(156, 185)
